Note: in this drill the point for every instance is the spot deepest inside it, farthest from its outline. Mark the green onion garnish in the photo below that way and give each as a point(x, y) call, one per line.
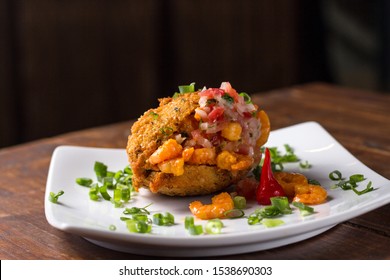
point(305, 165)
point(281, 203)
point(94, 192)
point(104, 193)
point(350, 184)
point(239, 202)
point(100, 170)
point(187, 88)
point(272, 222)
point(254, 218)
point(83, 181)
point(303, 209)
point(137, 210)
point(279, 206)
point(188, 221)
point(125, 192)
point(54, 197)
point(108, 182)
point(246, 97)
point(128, 170)
point(195, 229)
point(234, 213)
point(112, 227)
point(278, 159)
point(228, 98)
point(335, 175)
point(138, 226)
point(166, 219)
point(214, 226)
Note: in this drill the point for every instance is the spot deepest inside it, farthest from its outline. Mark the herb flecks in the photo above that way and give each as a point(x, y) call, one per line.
point(154, 115)
point(166, 130)
point(228, 98)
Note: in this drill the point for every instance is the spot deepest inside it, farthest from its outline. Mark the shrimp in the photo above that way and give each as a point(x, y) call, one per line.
point(169, 150)
point(288, 181)
point(310, 194)
point(203, 156)
point(219, 205)
point(265, 128)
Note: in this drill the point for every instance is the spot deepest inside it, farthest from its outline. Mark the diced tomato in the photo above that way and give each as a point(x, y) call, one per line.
point(216, 114)
point(227, 87)
point(211, 92)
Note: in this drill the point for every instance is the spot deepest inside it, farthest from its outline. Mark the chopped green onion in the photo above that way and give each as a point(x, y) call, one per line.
point(356, 178)
point(303, 209)
point(94, 192)
point(188, 221)
point(195, 229)
point(234, 213)
point(187, 88)
point(125, 192)
point(137, 226)
point(281, 203)
point(117, 194)
point(108, 182)
point(100, 170)
point(305, 165)
point(272, 222)
point(142, 218)
point(335, 175)
point(228, 98)
point(278, 159)
point(128, 170)
point(112, 227)
point(166, 130)
point(137, 210)
point(368, 188)
point(279, 206)
point(83, 181)
point(54, 197)
point(214, 226)
point(269, 211)
point(246, 97)
point(254, 219)
point(110, 174)
point(351, 184)
point(166, 219)
point(118, 175)
point(104, 193)
point(239, 202)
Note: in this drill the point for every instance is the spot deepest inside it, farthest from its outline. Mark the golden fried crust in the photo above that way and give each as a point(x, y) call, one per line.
point(197, 180)
point(154, 127)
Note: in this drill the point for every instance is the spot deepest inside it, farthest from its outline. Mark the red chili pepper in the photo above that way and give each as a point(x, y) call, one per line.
point(268, 186)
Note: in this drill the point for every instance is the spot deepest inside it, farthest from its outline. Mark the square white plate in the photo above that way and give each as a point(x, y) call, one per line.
point(77, 214)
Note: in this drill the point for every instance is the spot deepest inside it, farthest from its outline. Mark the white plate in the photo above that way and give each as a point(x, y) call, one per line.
point(77, 214)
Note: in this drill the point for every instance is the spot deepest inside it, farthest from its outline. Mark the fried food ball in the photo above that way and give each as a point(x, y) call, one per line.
point(195, 143)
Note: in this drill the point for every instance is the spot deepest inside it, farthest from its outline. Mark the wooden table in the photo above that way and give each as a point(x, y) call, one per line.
point(360, 120)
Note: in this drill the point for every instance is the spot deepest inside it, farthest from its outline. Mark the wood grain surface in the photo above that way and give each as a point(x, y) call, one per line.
point(359, 120)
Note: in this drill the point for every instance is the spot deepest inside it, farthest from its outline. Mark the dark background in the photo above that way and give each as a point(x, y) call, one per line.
point(69, 65)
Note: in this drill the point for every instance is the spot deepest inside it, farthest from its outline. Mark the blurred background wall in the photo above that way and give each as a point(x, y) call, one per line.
point(69, 65)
